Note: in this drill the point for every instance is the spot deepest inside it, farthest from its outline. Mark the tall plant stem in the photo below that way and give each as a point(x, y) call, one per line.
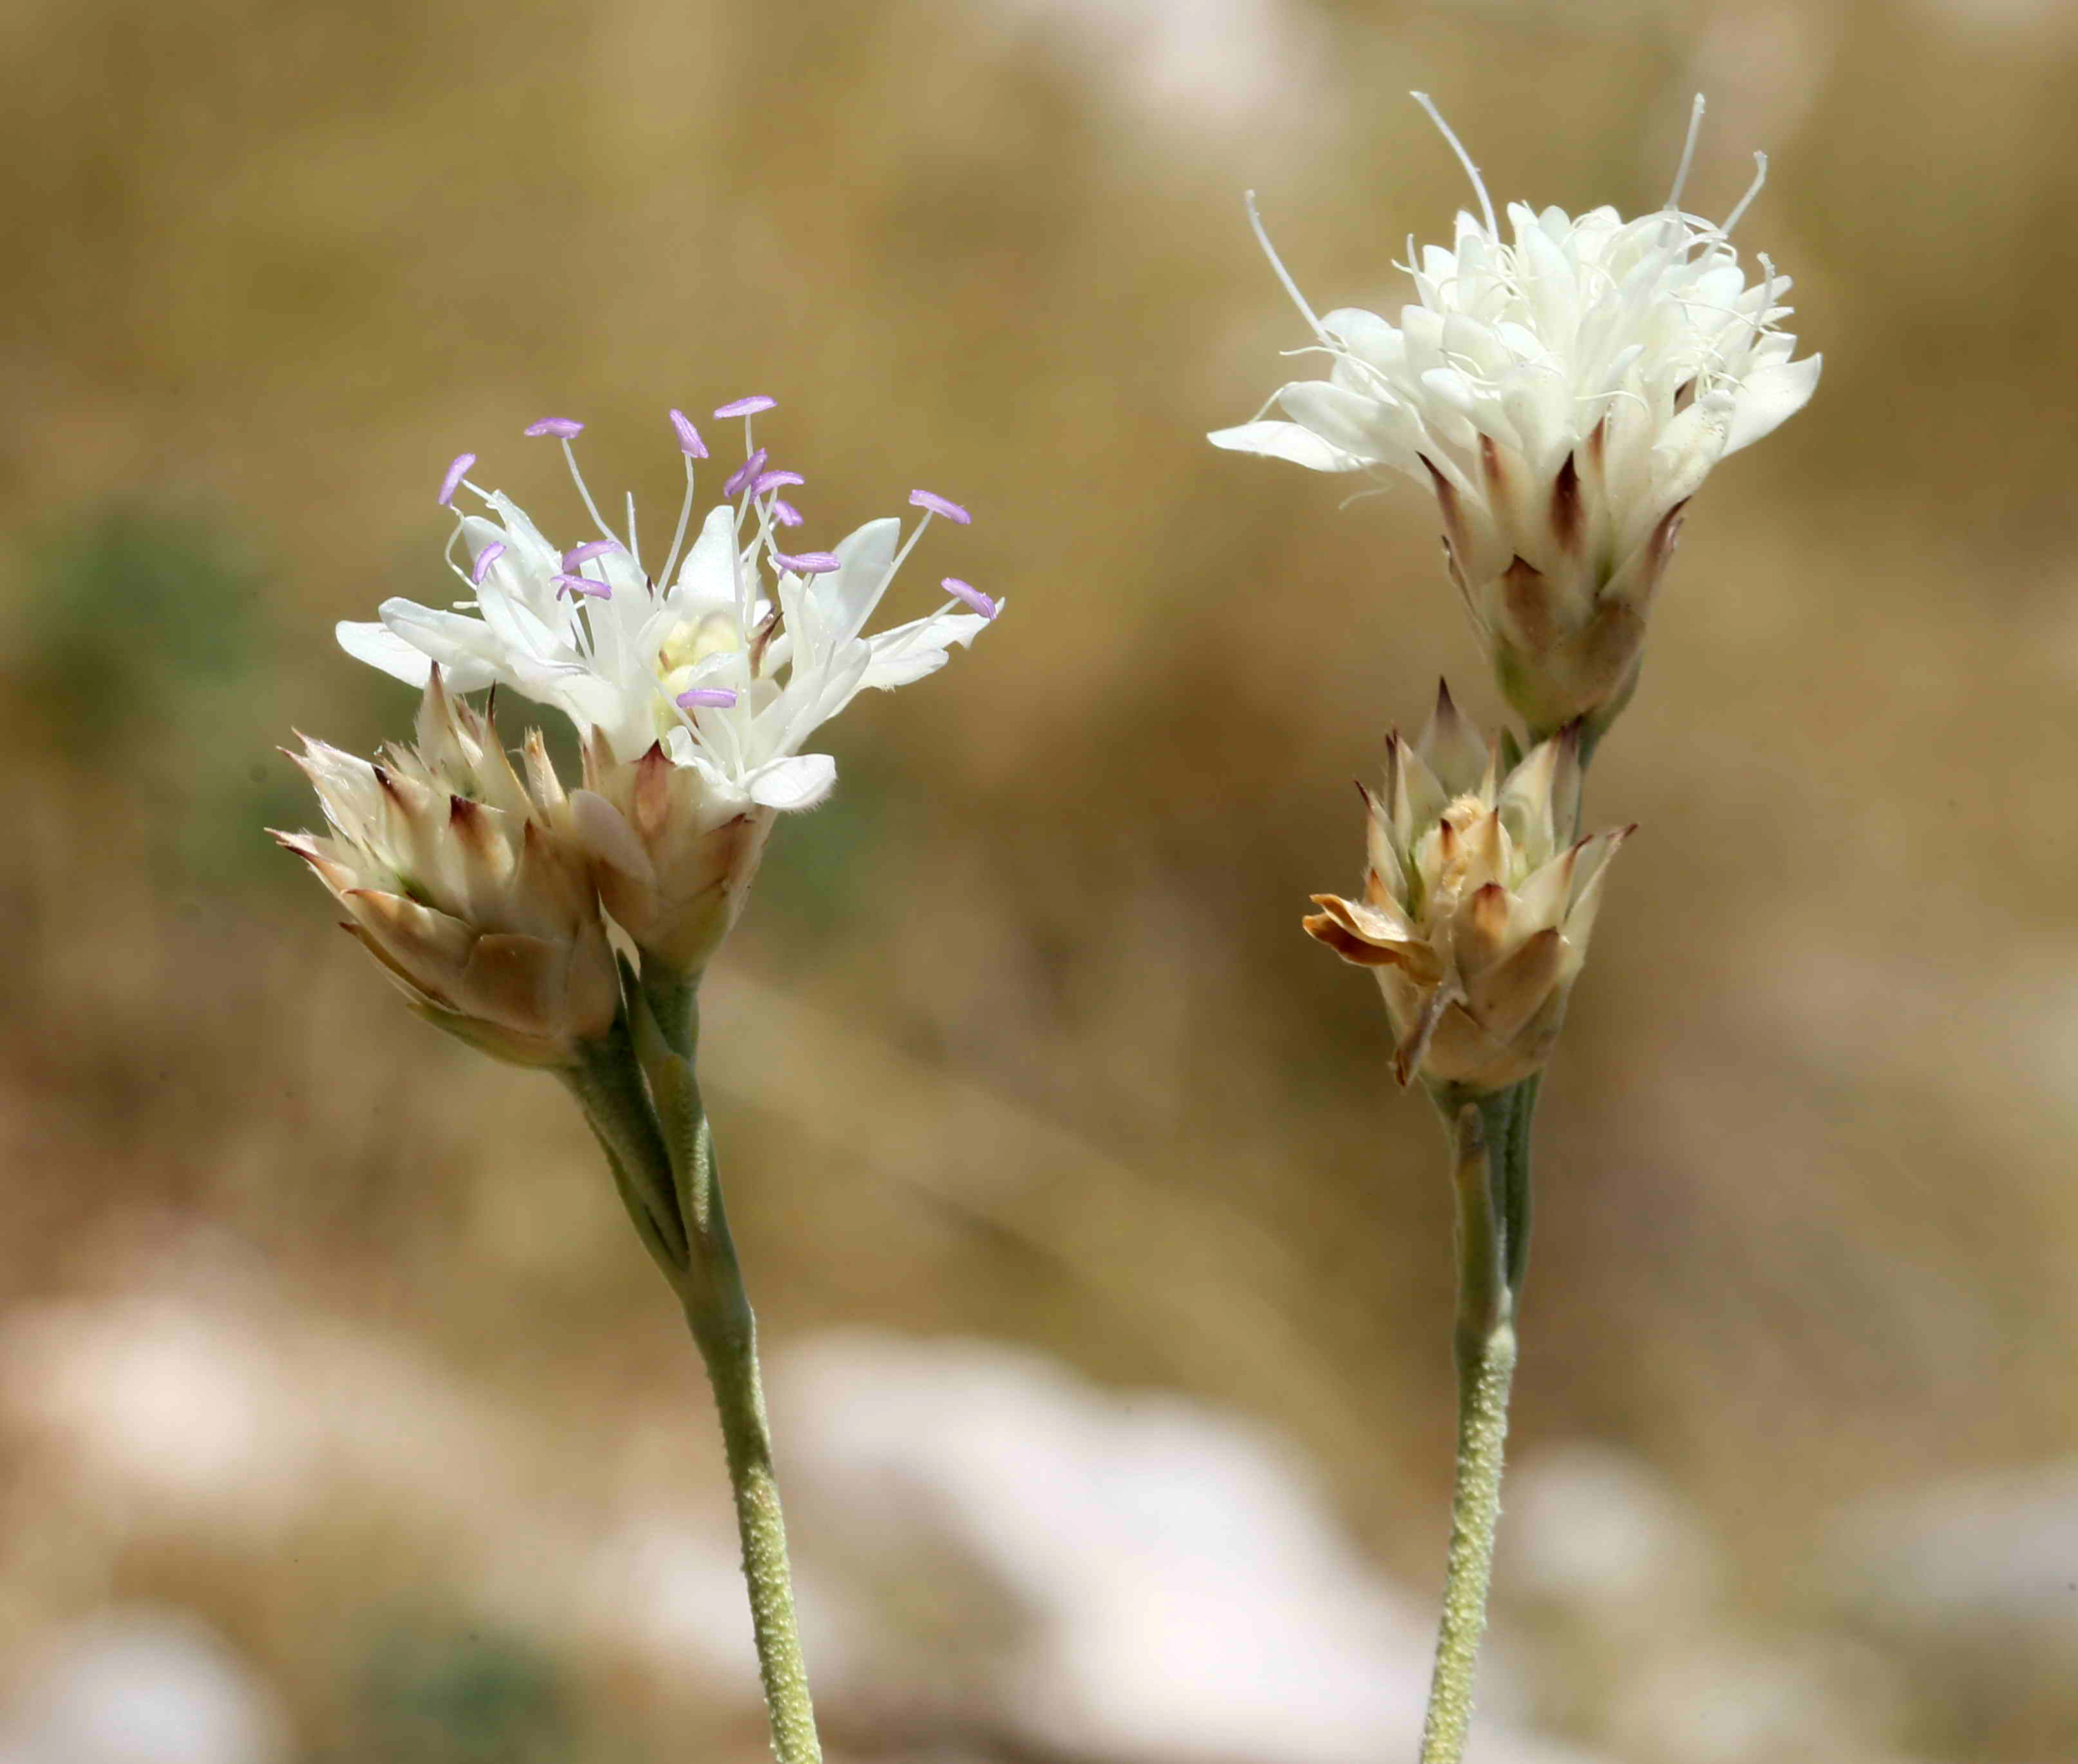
point(1490, 1142)
point(726, 1333)
point(641, 1093)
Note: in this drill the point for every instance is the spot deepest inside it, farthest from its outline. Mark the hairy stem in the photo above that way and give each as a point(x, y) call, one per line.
point(727, 1334)
point(1490, 1138)
point(641, 1095)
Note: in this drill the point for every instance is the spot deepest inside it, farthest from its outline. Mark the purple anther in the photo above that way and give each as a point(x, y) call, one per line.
point(972, 595)
point(584, 554)
point(809, 563)
point(690, 443)
point(564, 428)
point(711, 697)
point(456, 472)
point(937, 505)
point(772, 480)
point(583, 585)
point(484, 559)
point(785, 513)
point(745, 474)
point(749, 406)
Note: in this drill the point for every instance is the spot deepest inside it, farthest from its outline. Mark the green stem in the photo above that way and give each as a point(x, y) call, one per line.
point(641, 1093)
point(1490, 1137)
point(608, 1087)
point(727, 1334)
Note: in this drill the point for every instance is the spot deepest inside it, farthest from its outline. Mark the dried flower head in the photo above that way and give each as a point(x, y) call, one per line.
point(1477, 903)
point(1563, 390)
point(464, 883)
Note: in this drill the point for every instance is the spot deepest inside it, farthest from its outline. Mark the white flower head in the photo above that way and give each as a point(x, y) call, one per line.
point(728, 662)
point(1564, 391)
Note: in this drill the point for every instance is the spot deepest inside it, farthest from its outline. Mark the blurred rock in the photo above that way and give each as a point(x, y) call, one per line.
point(1165, 1582)
point(1974, 1582)
point(1600, 1533)
point(1987, 1553)
point(1601, 1566)
point(139, 1687)
point(1800, 1701)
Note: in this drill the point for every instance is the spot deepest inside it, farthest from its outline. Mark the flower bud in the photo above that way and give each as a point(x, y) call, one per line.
point(459, 882)
point(1477, 903)
point(672, 850)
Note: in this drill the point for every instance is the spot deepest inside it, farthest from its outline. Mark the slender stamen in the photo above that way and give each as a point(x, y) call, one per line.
point(564, 428)
point(1688, 155)
point(1464, 159)
point(939, 505)
point(785, 513)
point(713, 698)
point(452, 482)
point(772, 480)
point(749, 406)
point(1283, 275)
point(972, 595)
point(807, 563)
point(584, 554)
point(745, 474)
point(1753, 189)
point(583, 585)
point(484, 559)
point(634, 550)
point(690, 443)
point(685, 513)
point(591, 508)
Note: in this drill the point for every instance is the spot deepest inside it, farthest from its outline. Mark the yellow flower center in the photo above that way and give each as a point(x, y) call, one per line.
point(685, 646)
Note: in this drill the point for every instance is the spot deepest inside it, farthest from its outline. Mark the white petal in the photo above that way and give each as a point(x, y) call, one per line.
point(799, 782)
point(1368, 336)
point(1771, 395)
point(854, 588)
point(523, 537)
point(1286, 441)
point(1351, 422)
point(380, 646)
point(909, 652)
point(707, 579)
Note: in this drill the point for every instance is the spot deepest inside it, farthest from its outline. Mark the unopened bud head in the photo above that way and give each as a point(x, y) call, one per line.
point(1478, 902)
point(463, 881)
point(672, 857)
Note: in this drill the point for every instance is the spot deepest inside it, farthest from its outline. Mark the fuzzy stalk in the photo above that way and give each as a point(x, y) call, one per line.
point(1490, 1137)
point(641, 1094)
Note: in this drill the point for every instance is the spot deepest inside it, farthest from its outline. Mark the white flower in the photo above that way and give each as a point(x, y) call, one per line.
point(732, 665)
point(1564, 391)
point(466, 883)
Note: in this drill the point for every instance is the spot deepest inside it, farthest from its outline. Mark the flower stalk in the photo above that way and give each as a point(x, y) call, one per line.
point(639, 1091)
point(1490, 1136)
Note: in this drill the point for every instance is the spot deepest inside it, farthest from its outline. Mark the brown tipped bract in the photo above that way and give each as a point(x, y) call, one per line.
point(1477, 902)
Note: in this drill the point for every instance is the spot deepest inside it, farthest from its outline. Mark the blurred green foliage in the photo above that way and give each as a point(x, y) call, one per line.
point(433, 1694)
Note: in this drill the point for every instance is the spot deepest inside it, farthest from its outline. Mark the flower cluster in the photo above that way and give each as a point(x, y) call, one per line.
point(695, 692)
point(1563, 388)
point(1478, 902)
point(731, 660)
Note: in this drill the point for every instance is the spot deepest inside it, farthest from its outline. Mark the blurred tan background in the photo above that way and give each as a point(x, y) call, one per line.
point(338, 1406)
